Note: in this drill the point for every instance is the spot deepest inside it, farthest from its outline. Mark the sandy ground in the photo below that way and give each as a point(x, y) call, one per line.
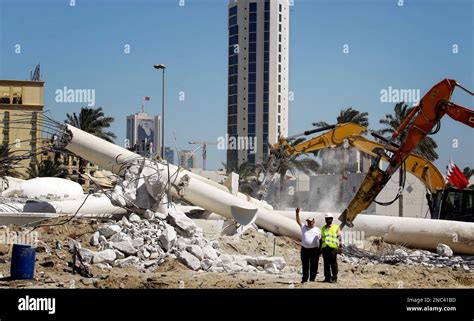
point(52, 270)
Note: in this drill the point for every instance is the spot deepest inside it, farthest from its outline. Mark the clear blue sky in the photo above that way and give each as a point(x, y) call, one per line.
point(82, 47)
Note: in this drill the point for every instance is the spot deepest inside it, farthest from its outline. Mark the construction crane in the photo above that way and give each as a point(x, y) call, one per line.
point(204, 150)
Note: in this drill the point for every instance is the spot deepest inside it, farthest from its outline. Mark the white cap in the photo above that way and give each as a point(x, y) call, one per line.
point(328, 215)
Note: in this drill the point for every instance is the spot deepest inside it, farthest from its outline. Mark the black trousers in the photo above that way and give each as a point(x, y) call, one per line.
point(310, 260)
point(330, 262)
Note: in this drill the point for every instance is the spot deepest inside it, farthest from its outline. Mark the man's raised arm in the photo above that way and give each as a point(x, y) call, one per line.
point(298, 216)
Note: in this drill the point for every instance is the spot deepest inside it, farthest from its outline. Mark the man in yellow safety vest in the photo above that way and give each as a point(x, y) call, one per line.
point(331, 242)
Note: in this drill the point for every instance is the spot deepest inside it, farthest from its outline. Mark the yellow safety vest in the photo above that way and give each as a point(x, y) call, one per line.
point(329, 236)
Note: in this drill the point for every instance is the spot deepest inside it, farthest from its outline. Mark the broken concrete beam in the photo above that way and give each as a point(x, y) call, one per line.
point(189, 260)
point(105, 256)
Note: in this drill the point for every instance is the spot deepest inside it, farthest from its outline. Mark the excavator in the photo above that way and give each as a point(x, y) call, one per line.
point(418, 124)
point(444, 203)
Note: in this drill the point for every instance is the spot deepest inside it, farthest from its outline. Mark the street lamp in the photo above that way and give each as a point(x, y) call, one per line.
point(163, 67)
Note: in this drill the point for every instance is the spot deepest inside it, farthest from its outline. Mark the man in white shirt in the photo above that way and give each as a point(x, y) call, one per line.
point(310, 237)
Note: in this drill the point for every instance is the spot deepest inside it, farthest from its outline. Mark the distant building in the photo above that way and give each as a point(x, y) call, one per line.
point(21, 100)
point(344, 160)
point(143, 133)
point(169, 155)
point(187, 159)
point(258, 92)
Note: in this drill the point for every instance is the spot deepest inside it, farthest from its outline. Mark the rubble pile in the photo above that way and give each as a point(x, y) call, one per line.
point(443, 258)
point(147, 242)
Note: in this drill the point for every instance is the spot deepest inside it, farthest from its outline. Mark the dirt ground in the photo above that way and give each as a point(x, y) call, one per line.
point(52, 270)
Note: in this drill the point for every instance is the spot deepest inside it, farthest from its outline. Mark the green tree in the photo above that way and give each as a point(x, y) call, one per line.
point(93, 121)
point(348, 115)
point(425, 148)
point(47, 168)
point(293, 164)
point(7, 162)
point(246, 174)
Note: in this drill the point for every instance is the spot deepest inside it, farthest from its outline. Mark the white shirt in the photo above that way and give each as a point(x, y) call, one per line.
point(310, 236)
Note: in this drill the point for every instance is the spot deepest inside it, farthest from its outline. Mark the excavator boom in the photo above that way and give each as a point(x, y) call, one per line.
point(350, 133)
point(418, 124)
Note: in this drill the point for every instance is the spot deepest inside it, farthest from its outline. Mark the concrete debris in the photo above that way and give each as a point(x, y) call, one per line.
point(149, 214)
point(109, 230)
point(196, 251)
point(184, 225)
point(73, 243)
point(444, 250)
point(147, 243)
point(139, 187)
point(209, 253)
point(126, 247)
point(189, 260)
point(154, 232)
point(168, 237)
point(103, 266)
point(129, 261)
point(105, 256)
point(86, 255)
point(119, 255)
point(271, 268)
point(206, 264)
point(94, 241)
point(357, 256)
point(134, 218)
point(41, 187)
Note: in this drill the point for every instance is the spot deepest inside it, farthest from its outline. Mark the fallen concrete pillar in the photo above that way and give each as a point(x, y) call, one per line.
point(193, 188)
point(44, 187)
point(95, 204)
point(413, 232)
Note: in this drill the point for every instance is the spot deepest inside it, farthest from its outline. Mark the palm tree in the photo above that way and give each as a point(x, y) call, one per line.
point(7, 162)
point(47, 168)
point(348, 115)
point(425, 148)
point(293, 163)
point(92, 121)
point(246, 176)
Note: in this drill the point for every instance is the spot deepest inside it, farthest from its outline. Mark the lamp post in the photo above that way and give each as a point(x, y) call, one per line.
point(163, 67)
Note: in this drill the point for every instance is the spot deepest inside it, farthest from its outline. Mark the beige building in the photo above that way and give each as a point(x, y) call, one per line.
point(21, 103)
point(258, 93)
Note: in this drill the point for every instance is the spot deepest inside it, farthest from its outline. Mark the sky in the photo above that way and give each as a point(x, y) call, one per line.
point(343, 53)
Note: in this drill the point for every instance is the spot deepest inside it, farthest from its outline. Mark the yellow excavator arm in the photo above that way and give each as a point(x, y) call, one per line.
point(351, 134)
